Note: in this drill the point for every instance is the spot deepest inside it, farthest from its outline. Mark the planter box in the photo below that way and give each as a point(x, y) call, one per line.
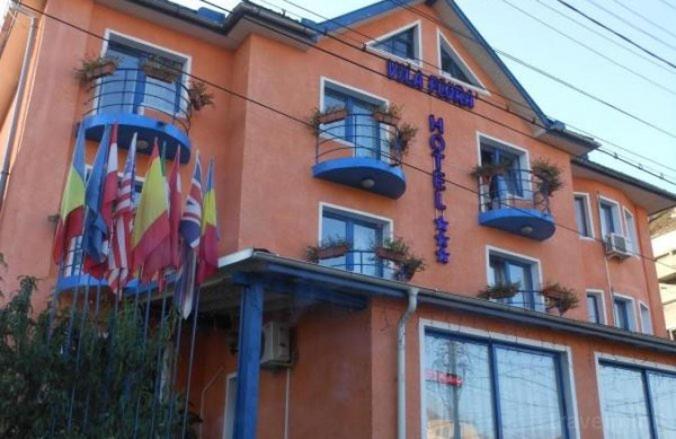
point(100, 71)
point(390, 255)
point(332, 116)
point(386, 118)
point(332, 251)
point(160, 72)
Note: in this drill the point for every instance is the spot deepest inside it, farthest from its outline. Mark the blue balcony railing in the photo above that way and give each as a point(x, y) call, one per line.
point(362, 262)
point(512, 202)
point(528, 299)
point(139, 104)
point(361, 152)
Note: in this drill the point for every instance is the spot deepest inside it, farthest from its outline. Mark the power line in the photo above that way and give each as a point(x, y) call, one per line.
point(309, 125)
point(646, 19)
point(616, 33)
point(631, 25)
point(591, 49)
point(666, 3)
point(655, 173)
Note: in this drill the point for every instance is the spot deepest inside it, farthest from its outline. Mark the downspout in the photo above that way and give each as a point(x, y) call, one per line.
point(401, 362)
point(18, 100)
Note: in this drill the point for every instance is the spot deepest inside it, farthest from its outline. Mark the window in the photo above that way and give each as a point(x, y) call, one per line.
point(359, 128)
point(130, 90)
point(637, 402)
point(646, 321)
point(632, 241)
point(402, 44)
point(452, 65)
point(582, 217)
point(498, 191)
point(505, 269)
point(361, 234)
point(672, 333)
point(624, 313)
point(230, 404)
point(595, 307)
point(610, 218)
point(486, 389)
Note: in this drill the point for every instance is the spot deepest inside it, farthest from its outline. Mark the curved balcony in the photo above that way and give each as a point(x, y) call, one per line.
point(360, 152)
point(139, 104)
point(508, 202)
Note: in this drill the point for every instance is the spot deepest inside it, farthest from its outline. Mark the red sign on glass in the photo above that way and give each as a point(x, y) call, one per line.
point(441, 377)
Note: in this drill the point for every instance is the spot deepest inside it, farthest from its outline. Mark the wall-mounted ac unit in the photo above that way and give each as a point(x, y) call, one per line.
point(616, 246)
point(276, 348)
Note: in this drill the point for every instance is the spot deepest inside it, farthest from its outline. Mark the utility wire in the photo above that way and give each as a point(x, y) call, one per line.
point(656, 172)
point(616, 33)
point(666, 3)
point(631, 25)
point(307, 124)
point(646, 19)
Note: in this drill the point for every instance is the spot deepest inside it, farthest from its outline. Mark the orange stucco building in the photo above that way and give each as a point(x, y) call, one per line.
point(371, 353)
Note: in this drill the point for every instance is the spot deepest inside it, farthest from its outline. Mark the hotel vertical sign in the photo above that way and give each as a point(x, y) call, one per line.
point(438, 147)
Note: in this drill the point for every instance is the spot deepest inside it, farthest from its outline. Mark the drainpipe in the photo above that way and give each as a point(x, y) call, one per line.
point(401, 362)
point(20, 89)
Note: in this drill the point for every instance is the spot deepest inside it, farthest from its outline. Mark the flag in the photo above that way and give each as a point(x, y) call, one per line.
point(120, 259)
point(208, 251)
point(150, 237)
point(190, 231)
point(174, 213)
point(71, 214)
point(95, 228)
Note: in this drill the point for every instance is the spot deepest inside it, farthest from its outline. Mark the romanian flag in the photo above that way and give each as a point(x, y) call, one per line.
point(71, 214)
point(208, 253)
point(150, 238)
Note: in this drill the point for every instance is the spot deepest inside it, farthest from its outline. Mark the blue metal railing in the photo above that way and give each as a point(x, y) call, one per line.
point(515, 188)
point(528, 299)
point(359, 135)
point(131, 91)
point(362, 262)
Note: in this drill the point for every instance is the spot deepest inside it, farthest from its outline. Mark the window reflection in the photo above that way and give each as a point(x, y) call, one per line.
point(625, 412)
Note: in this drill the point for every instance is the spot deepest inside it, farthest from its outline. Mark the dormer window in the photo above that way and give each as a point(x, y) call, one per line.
point(453, 67)
point(402, 43)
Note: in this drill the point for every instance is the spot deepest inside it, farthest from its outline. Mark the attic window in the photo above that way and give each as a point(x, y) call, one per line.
point(402, 43)
point(452, 65)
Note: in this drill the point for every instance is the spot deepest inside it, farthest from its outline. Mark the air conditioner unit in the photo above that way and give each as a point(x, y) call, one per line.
point(276, 346)
point(616, 246)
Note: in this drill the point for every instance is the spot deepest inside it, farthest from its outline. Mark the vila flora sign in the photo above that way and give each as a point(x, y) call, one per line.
point(434, 85)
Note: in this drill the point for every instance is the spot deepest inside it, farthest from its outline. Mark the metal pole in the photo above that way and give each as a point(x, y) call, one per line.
point(190, 361)
point(158, 378)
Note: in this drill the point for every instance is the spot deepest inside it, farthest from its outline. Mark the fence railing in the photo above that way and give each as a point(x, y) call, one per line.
point(359, 135)
point(514, 188)
point(362, 262)
point(131, 91)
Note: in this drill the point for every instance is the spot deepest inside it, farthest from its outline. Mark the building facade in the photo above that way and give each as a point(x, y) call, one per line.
point(663, 232)
point(370, 352)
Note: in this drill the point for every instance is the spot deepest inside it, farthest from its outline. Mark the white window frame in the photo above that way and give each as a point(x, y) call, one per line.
point(535, 266)
point(442, 40)
point(388, 223)
point(628, 231)
point(590, 217)
point(633, 323)
point(599, 293)
point(641, 306)
point(417, 43)
point(228, 421)
point(113, 34)
point(524, 160)
point(567, 369)
point(671, 332)
point(617, 217)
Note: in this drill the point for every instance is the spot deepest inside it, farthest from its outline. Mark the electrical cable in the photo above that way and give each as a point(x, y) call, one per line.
point(646, 19)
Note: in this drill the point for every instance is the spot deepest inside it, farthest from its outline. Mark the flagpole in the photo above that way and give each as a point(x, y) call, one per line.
point(158, 378)
point(190, 362)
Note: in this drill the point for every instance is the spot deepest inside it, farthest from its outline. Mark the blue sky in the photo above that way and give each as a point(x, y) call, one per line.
point(651, 98)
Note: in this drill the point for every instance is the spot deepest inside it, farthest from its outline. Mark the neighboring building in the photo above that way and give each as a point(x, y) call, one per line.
point(510, 368)
point(663, 232)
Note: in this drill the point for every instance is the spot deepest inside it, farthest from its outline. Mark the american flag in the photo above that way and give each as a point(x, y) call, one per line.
point(120, 263)
point(190, 229)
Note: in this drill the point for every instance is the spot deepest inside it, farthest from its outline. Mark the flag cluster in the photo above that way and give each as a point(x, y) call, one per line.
point(151, 241)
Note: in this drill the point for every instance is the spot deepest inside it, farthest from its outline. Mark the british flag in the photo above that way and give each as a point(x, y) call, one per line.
point(119, 265)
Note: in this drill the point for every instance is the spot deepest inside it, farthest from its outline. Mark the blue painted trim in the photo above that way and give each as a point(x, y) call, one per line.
point(70, 282)
point(350, 171)
point(248, 362)
point(148, 129)
point(512, 220)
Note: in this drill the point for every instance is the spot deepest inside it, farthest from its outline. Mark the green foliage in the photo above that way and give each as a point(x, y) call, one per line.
point(96, 371)
point(328, 248)
point(499, 291)
point(548, 177)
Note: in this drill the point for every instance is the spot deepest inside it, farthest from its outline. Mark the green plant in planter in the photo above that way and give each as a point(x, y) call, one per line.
point(560, 297)
point(388, 114)
point(399, 144)
point(408, 268)
point(499, 291)
point(161, 69)
point(489, 170)
point(199, 95)
point(547, 177)
point(328, 248)
point(395, 250)
point(328, 115)
point(93, 68)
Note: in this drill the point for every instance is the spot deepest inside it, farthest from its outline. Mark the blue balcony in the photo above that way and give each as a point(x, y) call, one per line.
point(360, 152)
point(509, 202)
point(139, 104)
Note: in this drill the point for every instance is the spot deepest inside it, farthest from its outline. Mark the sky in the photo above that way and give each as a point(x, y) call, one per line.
point(626, 78)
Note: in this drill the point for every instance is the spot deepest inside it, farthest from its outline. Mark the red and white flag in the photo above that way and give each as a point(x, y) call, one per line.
point(119, 261)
